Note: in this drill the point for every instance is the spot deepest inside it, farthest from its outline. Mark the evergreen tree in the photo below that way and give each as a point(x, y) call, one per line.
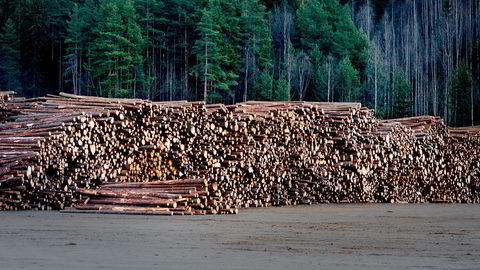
point(116, 52)
point(10, 58)
point(257, 49)
point(349, 82)
point(263, 82)
point(460, 84)
point(151, 15)
point(314, 27)
point(281, 93)
point(207, 51)
point(134, 46)
point(75, 41)
point(328, 35)
point(217, 50)
point(106, 50)
point(402, 106)
point(263, 86)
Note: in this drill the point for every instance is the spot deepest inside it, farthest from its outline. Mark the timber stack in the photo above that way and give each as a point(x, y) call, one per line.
point(132, 156)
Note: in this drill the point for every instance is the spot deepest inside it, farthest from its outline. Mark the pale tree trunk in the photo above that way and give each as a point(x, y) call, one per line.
point(471, 104)
point(135, 82)
point(368, 19)
point(285, 43)
point(304, 70)
point(289, 71)
point(433, 57)
point(415, 40)
point(393, 63)
point(185, 59)
point(75, 71)
point(167, 75)
point(457, 40)
point(329, 88)
point(245, 93)
point(446, 64)
point(60, 69)
point(376, 83)
point(407, 47)
point(172, 70)
point(205, 81)
point(472, 90)
point(385, 61)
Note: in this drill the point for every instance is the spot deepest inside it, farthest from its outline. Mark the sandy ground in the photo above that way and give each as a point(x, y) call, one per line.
point(314, 237)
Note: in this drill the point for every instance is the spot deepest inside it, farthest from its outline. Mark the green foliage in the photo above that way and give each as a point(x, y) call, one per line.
point(402, 106)
point(217, 48)
point(10, 58)
point(326, 29)
point(321, 74)
point(460, 87)
point(314, 26)
point(256, 43)
point(263, 86)
point(349, 83)
point(75, 42)
point(281, 93)
point(116, 52)
point(327, 25)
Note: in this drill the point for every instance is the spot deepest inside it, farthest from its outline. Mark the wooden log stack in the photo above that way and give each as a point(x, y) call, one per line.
point(175, 158)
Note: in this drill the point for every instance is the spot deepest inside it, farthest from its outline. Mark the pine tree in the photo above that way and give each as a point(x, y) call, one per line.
point(460, 87)
point(348, 81)
point(134, 47)
point(207, 51)
point(281, 91)
point(257, 49)
point(151, 15)
point(75, 41)
point(314, 27)
point(106, 51)
point(217, 50)
point(264, 82)
point(323, 73)
point(402, 106)
point(10, 57)
point(328, 36)
point(116, 52)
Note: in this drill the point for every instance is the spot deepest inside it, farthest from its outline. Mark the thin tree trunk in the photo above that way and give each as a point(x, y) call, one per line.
point(285, 43)
point(415, 41)
point(353, 10)
point(471, 103)
point(205, 81)
point(376, 85)
point(393, 62)
point(245, 92)
point(185, 59)
point(289, 71)
point(329, 64)
point(135, 82)
point(60, 69)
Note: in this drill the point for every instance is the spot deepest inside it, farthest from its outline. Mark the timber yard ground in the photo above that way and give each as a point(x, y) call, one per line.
point(379, 236)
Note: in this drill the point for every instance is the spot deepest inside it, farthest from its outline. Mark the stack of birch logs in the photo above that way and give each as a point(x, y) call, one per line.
point(175, 158)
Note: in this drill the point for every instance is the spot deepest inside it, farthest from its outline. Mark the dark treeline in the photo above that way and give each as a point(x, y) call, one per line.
point(404, 57)
point(430, 47)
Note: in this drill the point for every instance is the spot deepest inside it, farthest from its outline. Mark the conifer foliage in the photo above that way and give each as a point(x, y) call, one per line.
point(398, 57)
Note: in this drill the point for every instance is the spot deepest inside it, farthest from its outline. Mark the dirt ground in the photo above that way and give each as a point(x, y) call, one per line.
point(314, 237)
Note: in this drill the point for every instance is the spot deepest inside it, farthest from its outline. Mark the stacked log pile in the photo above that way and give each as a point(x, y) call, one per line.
point(139, 157)
point(5, 97)
point(440, 165)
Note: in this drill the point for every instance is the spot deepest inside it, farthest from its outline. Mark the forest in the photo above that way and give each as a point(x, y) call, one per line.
point(398, 57)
